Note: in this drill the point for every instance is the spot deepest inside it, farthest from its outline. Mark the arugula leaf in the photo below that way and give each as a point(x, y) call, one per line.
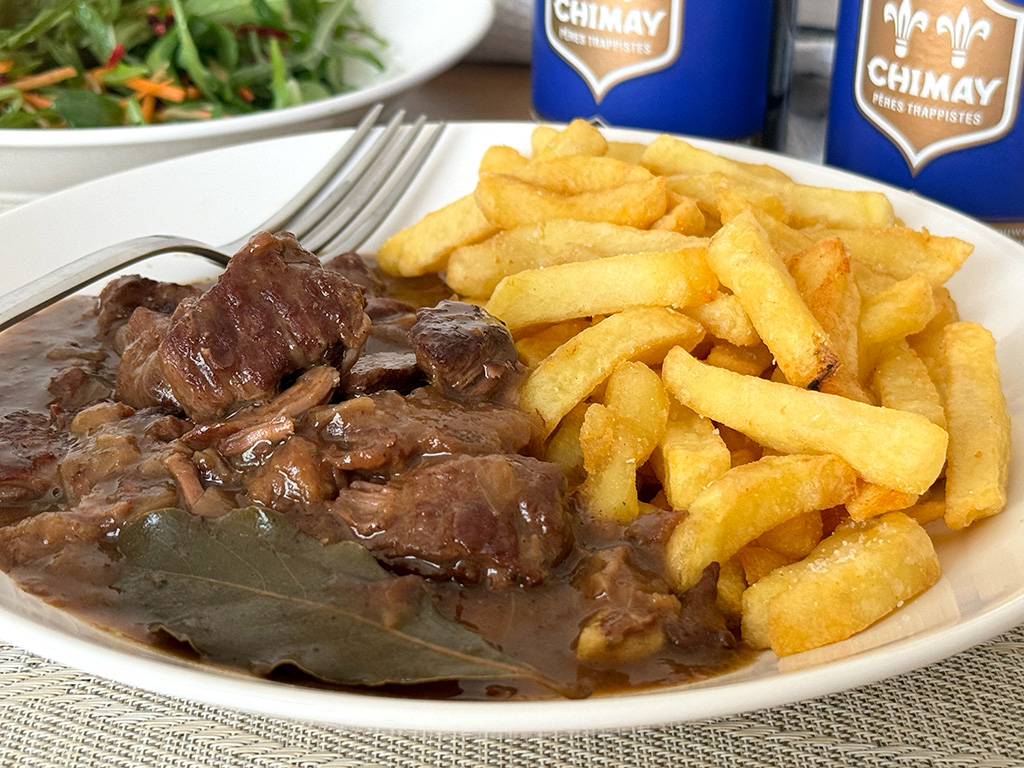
point(85, 109)
point(247, 589)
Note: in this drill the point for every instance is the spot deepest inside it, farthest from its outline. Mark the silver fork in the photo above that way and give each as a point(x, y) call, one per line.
point(335, 212)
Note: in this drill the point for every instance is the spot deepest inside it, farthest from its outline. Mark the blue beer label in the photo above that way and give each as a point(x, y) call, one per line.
point(689, 67)
point(926, 95)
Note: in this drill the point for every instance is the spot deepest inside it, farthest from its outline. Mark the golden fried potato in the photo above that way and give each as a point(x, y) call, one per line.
point(796, 537)
point(667, 155)
point(742, 256)
point(902, 381)
point(822, 275)
point(618, 437)
point(724, 318)
point(507, 201)
point(674, 279)
point(873, 500)
point(535, 347)
point(749, 500)
point(424, 247)
point(874, 440)
point(577, 138)
point(855, 577)
point(689, 456)
point(476, 269)
point(574, 370)
point(904, 308)
point(979, 426)
point(903, 252)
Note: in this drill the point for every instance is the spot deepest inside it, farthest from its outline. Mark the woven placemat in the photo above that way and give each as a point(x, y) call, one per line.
point(965, 711)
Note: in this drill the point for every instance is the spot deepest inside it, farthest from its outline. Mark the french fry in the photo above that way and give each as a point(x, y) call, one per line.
point(742, 256)
point(758, 562)
point(725, 319)
point(873, 500)
point(794, 538)
point(507, 202)
point(822, 275)
point(855, 577)
point(689, 456)
point(903, 252)
point(746, 502)
point(475, 270)
point(785, 240)
point(752, 361)
point(830, 207)
point(424, 247)
point(616, 438)
point(675, 279)
point(534, 348)
point(902, 309)
point(979, 426)
point(563, 447)
point(927, 342)
point(789, 419)
point(627, 151)
point(732, 583)
point(595, 643)
point(902, 381)
point(577, 138)
point(501, 159)
point(667, 155)
point(574, 370)
point(577, 174)
point(684, 216)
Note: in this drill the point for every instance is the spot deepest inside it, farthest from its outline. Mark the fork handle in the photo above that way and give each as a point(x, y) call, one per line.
point(43, 291)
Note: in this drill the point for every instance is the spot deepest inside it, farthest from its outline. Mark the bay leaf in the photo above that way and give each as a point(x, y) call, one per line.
point(248, 589)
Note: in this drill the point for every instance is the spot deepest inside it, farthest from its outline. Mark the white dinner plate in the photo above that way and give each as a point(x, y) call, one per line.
point(424, 37)
point(219, 194)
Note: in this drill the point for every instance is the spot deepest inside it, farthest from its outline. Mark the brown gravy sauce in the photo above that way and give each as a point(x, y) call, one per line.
point(538, 625)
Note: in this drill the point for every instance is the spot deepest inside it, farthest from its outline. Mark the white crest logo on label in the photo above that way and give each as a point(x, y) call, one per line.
point(610, 41)
point(936, 76)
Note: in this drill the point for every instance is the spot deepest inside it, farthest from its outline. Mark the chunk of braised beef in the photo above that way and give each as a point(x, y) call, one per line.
point(140, 375)
point(112, 468)
point(631, 600)
point(123, 295)
point(378, 371)
point(30, 453)
point(275, 310)
point(295, 475)
point(380, 434)
point(496, 519)
point(390, 321)
point(701, 627)
point(76, 386)
point(466, 353)
point(313, 387)
point(354, 268)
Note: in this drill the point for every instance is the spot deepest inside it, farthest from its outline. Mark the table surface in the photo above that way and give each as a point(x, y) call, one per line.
point(965, 711)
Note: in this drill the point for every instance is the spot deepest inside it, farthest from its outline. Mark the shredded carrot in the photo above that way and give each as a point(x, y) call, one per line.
point(165, 91)
point(37, 101)
point(147, 104)
point(192, 92)
point(50, 77)
point(6, 65)
point(246, 94)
